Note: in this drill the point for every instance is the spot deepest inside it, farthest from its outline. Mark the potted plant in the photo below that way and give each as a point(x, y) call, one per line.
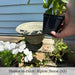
point(52, 19)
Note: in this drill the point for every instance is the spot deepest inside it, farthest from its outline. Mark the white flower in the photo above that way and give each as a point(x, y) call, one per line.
point(28, 54)
point(20, 50)
point(26, 51)
point(22, 47)
point(30, 57)
point(14, 51)
point(26, 59)
point(1, 48)
point(7, 42)
point(1, 43)
point(9, 46)
point(21, 43)
point(6, 45)
point(13, 45)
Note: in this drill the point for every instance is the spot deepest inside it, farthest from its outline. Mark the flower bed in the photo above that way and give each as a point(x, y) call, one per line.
point(11, 52)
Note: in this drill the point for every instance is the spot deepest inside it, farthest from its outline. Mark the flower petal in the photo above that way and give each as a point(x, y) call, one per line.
point(1, 48)
point(20, 50)
point(30, 58)
point(14, 51)
point(13, 45)
point(26, 51)
point(21, 43)
point(26, 59)
point(22, 46)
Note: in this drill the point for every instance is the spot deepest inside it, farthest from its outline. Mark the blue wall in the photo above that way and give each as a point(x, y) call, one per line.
point(15, 12)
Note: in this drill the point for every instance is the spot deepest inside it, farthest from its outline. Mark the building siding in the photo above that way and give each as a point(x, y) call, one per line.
point(16, 12)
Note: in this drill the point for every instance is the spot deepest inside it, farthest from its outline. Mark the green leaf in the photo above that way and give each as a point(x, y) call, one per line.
point(64, 8)
point(37, 63)
point(45, 4)
point(54, 7)
point(59, 48)
point(14, 56)
point(51, 54)
point(49, 11)
point(28, 2)
point(44, 62)
point(54, 52)
point(44, 1)
point(19, 59)
point(60, 60)
point(49, 3)
point(65, 1)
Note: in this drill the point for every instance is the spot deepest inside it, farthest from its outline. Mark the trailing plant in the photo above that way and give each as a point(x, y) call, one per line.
point(60, 53)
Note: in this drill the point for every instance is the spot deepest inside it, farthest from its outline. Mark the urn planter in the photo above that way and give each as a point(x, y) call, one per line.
point(32, 31)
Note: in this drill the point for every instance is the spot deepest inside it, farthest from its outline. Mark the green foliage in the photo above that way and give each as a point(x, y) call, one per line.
point(6, 58)
point(61, 49)
point(37, 63)
point(55, 7)
point(28, 2)
point(44, 62)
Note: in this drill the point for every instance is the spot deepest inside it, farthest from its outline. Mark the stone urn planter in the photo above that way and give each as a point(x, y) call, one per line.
point(32, 32)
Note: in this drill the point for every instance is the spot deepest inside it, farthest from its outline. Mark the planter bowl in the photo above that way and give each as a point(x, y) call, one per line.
point(32, 31)
point(34, 39)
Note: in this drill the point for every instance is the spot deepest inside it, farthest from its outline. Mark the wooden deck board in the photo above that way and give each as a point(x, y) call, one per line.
point(11, 38)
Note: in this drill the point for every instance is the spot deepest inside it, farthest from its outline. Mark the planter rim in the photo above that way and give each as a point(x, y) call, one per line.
point(30, 29)
point(53, 15)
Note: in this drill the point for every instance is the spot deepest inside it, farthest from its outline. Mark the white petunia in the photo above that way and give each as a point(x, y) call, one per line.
point(1, 48)
point(1, 43)
point(21, 43)
point(28, 56)
point(22, 46)
point(7, 42)
point(7, 47)
point(26, 51)
point(26, 59)
point(20, 50)
point(13, 45)
point(14, 51)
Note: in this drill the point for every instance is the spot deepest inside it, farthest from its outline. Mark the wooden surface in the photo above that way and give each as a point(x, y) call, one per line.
point(11, 38)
